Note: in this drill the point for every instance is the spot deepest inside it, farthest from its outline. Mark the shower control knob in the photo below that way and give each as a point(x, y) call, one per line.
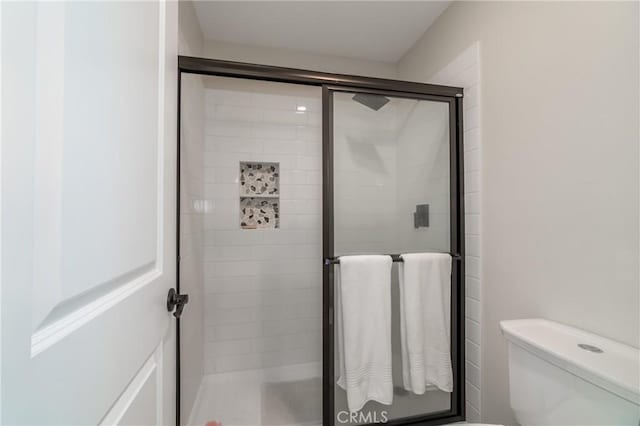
point(176, 301)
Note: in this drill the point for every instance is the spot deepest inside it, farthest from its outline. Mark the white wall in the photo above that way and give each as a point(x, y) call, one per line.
point(263, 287)
point(190, 38)
point(296, 59)
point(560, 166)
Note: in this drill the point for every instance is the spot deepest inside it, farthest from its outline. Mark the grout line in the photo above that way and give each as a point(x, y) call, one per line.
point(473, 298)
point(467, 401)
point(472, 320)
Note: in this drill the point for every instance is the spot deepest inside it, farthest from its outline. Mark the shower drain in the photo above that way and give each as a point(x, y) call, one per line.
point(590, 348)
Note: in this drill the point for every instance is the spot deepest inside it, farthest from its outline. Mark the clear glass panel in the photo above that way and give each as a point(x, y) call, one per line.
point(391, 195)
point(251, 232)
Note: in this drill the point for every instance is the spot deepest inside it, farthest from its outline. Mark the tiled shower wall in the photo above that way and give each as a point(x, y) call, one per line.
point(385, 163)
point(263, 286)
point(464, 71)
point(423, 170)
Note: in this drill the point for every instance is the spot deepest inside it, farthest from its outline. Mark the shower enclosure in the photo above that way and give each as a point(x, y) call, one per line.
point(281, 172)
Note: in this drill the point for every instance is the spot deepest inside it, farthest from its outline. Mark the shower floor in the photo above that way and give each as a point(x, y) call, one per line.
point(290, 396)
point(283, 396)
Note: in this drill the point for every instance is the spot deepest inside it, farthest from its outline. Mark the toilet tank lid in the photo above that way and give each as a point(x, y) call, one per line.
point(616, 368)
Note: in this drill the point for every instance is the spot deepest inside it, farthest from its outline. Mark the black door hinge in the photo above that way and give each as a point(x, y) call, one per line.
point(176, 301)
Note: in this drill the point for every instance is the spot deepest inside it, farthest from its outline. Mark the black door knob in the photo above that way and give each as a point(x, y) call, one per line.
point(176, 301)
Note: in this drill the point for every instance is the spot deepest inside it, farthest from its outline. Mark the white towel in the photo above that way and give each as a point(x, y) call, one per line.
point(425, 306)
point(363, 305)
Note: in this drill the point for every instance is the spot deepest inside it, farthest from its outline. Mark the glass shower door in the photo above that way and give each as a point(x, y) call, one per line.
point(393, 163)
point(250, 233)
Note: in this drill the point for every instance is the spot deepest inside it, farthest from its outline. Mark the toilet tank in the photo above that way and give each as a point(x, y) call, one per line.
point(560, 375)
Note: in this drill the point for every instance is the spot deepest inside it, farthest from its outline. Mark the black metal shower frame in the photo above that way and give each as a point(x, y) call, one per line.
point(332, 83)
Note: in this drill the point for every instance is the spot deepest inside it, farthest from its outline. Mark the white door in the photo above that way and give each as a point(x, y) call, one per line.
point(88, 212)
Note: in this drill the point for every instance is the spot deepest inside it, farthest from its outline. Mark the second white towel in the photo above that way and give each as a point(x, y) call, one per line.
point(425, 299)
point(363, 305)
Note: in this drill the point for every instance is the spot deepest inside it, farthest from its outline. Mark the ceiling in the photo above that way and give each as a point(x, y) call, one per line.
point(374, 30)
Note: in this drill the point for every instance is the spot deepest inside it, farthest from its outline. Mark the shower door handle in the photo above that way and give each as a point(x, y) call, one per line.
point(176, 301)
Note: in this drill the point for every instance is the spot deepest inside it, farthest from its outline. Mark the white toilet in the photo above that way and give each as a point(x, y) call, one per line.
point(559, 375)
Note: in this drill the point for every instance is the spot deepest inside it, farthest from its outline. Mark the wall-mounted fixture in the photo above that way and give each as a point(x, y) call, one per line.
point(375, 102)
point(421, 216)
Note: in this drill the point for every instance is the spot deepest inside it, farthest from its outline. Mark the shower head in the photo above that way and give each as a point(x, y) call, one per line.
point(375, 102)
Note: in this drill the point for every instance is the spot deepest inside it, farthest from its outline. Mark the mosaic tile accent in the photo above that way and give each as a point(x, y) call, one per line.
point(259, 179)
point(259, 213)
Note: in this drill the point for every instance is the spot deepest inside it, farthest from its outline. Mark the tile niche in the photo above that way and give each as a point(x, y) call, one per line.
point(259, 195)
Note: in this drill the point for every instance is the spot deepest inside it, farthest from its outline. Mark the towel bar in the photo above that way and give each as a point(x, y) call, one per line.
point(395, 257)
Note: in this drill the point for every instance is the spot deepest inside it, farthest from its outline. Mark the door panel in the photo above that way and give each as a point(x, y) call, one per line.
point(140, 403)
point(88, 217)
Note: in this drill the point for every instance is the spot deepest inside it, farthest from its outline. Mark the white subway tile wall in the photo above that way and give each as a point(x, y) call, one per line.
point(464, 71)
point(263, 295)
